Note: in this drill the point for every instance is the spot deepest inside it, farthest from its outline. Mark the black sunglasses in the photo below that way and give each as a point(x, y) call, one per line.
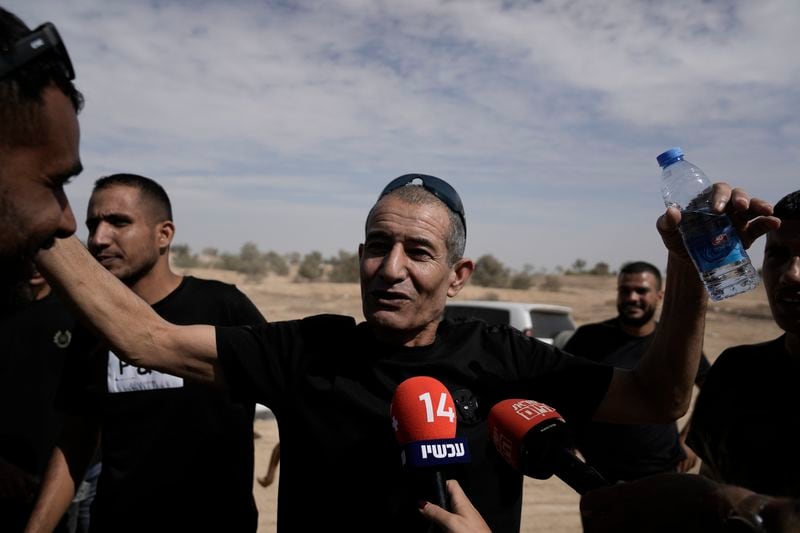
point(436, 186)
point(40, 41)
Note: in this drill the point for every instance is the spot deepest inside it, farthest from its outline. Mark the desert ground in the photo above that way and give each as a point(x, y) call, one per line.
point(549, 505)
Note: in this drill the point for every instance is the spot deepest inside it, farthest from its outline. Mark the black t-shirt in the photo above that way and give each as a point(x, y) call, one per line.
point(746, 420)
point(330, 384)
point(622, 452)
point(176, 456)
point(33, 347)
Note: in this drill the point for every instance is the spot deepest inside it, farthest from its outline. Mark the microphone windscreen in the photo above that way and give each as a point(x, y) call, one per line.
point(422, 409)
point(510, 421)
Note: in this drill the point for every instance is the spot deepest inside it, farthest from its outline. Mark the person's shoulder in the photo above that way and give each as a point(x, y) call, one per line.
point(192, 282)
point(744, 353)
point(213, 288)
point(588, 333)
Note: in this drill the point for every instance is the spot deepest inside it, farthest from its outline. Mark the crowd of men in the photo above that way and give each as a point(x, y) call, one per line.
point(159, 357)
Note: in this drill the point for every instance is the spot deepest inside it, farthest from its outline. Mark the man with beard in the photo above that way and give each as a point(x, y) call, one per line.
point(176, 456)
point(623, 452)
point(39, 138)
point(330, 380)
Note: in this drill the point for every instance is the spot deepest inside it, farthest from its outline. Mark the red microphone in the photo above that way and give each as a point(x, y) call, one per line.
point(534, 439)
point(424, 420)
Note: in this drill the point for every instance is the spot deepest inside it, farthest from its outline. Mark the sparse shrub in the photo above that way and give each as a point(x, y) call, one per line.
point(251, 262)
point(182, 256)
point(345, 268)
point(521, 281)
point(601, 269)
point(551, 283)
point(310, 267)
point(577, 267)
point(489, 272)
point(276, 263)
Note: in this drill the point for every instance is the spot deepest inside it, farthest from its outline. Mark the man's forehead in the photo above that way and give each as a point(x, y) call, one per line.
point(398, 214)
point(115, 198)
point(636, 278)
point(789, 231)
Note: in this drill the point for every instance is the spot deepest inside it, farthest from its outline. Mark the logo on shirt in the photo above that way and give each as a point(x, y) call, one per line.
point(62, 338)
point(125, 377)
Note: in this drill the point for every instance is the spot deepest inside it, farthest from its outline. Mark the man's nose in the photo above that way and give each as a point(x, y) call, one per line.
point(66, 224)
point(394, 265)
point(100, 236)
point(792, 274)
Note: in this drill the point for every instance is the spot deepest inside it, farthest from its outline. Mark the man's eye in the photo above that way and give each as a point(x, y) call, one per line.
point(375, 247)
point(419, 252)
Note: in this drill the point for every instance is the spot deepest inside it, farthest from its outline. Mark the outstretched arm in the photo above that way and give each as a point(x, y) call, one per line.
point(660, 387)
point(137, 334)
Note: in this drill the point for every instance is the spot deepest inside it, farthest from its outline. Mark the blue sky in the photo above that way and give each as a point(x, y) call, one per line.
point(280, 122)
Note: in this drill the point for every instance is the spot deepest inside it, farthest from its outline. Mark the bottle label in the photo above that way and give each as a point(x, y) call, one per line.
point(710, 239)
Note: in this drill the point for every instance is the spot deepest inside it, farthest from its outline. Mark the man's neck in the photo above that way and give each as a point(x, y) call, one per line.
point(156, 284)
point(637, 331)
point(792, 344)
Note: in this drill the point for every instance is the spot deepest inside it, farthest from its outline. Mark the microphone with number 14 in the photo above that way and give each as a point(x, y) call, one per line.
point(424, 420)
point(533, 438)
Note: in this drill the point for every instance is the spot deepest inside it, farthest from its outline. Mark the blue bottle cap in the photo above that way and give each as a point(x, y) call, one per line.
point(669, 157)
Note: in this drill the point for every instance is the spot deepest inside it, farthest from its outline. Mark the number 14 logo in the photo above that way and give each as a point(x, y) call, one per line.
point(441, 410)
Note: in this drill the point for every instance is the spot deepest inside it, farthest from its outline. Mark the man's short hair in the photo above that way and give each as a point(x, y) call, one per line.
point(788, 207)
point(638, 267)
point(151, 192)
point(21, 91)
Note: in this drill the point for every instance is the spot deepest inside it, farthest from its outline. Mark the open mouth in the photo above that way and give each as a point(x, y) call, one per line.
point(389, 297)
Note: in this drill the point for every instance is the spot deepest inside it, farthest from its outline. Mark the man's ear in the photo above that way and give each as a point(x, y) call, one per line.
point(462, 271)
point(164, 233)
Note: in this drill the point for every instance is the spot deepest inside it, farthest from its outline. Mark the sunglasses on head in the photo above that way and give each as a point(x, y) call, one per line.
point(40, 41)
point(436, 186)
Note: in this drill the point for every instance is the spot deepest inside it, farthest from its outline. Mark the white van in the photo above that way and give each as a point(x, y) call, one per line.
point(544, 321)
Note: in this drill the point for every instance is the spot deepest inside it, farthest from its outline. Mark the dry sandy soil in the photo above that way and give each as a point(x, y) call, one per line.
point(548, 505)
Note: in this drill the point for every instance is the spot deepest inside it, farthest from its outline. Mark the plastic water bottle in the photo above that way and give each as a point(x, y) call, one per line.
point(713, 244)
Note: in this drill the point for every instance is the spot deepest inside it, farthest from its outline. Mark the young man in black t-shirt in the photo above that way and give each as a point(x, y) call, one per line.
point(622, 452)
point(176, 455)
point(34, 341)
point(330, 381)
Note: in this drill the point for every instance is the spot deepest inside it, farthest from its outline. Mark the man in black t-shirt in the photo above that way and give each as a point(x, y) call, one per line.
point(746, 421)
point(176, 456)
point(622, 452)
point(33, 342)
point(330, 381)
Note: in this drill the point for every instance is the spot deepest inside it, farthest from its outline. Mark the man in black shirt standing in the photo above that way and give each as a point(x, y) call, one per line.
point(176, 455)
point(622, 452)
point(34, 340)
point(330, 381)
point(746, 421)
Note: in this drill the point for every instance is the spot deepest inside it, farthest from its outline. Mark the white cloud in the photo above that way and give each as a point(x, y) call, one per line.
point(280, 122)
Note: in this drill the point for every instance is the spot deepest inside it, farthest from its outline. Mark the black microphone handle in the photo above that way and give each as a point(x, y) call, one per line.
point(431, 486)
point(577, 474)
point(440, 490)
